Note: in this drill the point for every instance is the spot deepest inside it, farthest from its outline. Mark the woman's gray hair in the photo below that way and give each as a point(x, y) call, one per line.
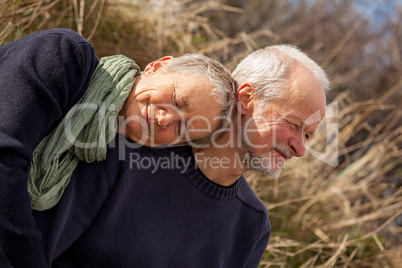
point(269, 69)
point(225, 87)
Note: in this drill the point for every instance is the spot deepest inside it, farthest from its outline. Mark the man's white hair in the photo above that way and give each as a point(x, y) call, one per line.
point(269, 69)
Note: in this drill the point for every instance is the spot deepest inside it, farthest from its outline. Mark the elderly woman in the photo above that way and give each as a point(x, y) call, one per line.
point(55, 95)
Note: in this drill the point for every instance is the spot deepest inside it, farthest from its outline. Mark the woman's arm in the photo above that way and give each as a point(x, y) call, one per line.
point(42, 76)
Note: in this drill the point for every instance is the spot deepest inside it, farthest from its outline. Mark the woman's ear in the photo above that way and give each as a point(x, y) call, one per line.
point(245, 94)
point(154, 66)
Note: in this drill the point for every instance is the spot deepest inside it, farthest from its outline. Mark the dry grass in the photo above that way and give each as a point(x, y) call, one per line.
point(344, 215)
point(26, 16)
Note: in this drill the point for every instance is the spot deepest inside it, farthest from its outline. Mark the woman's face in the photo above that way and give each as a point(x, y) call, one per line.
point(165, 108)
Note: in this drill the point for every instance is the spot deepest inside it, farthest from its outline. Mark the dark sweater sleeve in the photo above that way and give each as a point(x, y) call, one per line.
point(261, 245)
point(42, 76)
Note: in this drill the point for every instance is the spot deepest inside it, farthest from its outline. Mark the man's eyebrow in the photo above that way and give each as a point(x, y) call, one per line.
point(293, 118)
point(302, 123)
point(300, 120)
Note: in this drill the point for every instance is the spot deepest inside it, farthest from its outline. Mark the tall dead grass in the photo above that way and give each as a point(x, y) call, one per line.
point(19, 18)
point(346, 214)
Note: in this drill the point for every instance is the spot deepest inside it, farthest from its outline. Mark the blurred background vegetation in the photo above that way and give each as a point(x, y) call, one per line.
point(347, 214)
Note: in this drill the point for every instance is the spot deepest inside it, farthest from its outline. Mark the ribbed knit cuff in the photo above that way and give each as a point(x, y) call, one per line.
point(33, 258)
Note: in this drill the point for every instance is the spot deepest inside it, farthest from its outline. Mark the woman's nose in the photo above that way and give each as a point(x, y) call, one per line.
point(166, 117)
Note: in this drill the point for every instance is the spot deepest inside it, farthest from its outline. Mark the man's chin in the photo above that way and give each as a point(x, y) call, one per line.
point(270, 172)
point(274, 174)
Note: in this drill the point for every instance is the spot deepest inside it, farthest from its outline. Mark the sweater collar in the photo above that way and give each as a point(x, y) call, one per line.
point(205, 185)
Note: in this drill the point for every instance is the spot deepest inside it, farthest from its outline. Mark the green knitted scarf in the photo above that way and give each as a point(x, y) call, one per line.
point(84, 132)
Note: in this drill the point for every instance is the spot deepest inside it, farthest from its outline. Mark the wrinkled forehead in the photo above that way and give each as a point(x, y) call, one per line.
point(309, 107)
point(194, 94)
point(192, 85)
point(305, 94)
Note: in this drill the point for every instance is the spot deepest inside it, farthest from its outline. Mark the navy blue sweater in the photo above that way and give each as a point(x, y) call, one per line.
point(41, 76)
point(153, 209)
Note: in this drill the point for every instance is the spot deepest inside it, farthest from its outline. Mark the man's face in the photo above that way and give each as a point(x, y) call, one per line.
point(279, 132)
point(170, 108)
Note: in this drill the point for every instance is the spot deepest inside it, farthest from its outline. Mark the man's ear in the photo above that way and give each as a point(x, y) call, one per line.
point(245, 94)
point(154, 66)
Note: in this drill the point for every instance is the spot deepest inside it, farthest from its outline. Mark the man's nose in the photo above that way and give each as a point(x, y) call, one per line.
point(165, 117)
point(297, 146)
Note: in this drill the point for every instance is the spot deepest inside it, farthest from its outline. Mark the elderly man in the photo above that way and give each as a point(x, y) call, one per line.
point(171, 208)
point(281, 101)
